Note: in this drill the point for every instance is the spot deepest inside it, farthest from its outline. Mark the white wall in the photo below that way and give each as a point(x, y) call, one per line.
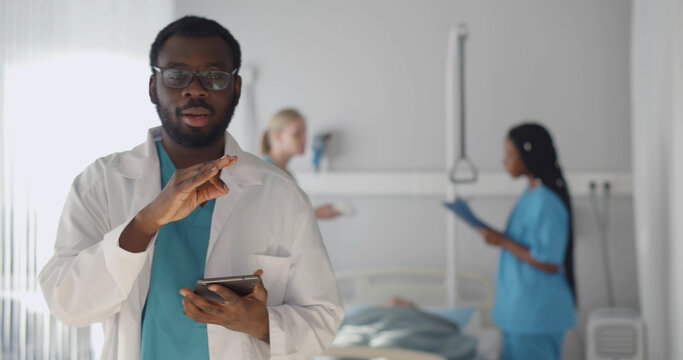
point(373, 72)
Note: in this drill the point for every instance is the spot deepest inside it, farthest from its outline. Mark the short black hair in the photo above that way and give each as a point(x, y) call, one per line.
point(195, 26)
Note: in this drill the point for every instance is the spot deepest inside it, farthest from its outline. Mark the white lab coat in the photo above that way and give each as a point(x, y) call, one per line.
point(264, 222)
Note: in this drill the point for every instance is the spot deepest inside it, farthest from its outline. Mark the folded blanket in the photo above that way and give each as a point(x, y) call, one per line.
point(405, 328)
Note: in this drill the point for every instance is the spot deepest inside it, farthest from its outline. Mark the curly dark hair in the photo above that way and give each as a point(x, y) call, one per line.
point(195, 26)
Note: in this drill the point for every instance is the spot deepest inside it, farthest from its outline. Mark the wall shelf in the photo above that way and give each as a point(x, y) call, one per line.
point(435, 184)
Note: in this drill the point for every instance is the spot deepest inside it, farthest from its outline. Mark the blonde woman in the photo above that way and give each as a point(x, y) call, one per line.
point(284, 138)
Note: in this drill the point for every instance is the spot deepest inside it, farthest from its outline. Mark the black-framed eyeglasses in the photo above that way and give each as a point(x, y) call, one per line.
point(210, 79)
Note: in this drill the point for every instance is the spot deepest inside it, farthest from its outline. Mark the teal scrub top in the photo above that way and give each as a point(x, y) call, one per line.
point(530, 300)
point(179, 259)
point(267, 159)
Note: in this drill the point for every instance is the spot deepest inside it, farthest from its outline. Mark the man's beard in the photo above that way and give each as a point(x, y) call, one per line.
point(195, 139)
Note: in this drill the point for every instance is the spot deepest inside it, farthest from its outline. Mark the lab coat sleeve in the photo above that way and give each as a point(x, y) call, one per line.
point(308, 321)
point(550, 232)
point(89, 275)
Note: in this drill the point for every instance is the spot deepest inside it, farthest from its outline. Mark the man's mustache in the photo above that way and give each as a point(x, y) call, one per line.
point(194, 104)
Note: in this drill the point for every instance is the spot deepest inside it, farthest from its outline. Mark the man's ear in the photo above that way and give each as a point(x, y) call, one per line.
point(152, 93)
point(238, 89)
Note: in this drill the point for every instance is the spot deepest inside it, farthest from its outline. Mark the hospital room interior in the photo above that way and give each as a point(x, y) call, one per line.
point(407, 106)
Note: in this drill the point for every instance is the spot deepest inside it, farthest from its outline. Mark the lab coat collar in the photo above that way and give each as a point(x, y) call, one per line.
point(137, 162)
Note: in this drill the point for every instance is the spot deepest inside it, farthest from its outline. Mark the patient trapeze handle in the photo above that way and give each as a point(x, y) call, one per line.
point(462, 162)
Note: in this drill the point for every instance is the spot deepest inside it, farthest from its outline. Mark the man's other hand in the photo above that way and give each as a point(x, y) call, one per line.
point(247, 314)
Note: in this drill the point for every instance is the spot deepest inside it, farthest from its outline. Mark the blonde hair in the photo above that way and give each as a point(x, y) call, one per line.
point(277, 123)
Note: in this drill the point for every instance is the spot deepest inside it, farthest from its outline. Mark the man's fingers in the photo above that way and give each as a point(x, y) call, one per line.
point(226, 294)
point(223, 161)
point(198, 314)
point(198, 179)
point(260, 291)
point(183, 174)
point(200, 302)
point(194, 312)
point(209, 193)
point(226, 161)
point(218, 184)
point(198, 174)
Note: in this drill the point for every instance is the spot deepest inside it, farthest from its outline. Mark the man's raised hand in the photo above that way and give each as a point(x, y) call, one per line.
point(187, 189)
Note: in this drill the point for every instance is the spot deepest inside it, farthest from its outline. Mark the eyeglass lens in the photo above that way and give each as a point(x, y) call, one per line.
point(210, 80)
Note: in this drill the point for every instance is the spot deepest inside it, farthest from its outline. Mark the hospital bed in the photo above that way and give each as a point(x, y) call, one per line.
point(428, 289)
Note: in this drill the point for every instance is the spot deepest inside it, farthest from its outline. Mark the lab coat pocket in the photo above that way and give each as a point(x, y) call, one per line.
point(275, 275)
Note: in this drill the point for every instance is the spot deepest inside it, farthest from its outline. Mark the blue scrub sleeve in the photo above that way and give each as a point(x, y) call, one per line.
point(550, 233)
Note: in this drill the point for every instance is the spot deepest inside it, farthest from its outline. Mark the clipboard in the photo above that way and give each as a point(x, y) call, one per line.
point(462, 210)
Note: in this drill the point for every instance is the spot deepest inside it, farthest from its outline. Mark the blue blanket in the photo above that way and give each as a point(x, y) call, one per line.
point(405, 328)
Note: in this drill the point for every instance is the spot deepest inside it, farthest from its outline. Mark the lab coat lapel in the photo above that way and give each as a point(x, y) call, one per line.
point(149, 186)
point(221, 213)
point(238, 177)
point(142, 166)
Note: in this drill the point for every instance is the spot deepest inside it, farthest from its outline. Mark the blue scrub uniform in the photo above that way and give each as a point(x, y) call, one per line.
point(179, 259)
point(534, 308)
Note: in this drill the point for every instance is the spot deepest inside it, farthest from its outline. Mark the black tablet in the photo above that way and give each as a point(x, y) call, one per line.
point(241, 285)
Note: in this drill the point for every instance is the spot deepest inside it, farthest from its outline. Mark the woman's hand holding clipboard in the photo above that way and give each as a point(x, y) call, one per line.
point(462, 210)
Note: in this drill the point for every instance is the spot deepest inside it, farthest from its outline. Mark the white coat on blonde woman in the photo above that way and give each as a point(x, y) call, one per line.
point(264, 222)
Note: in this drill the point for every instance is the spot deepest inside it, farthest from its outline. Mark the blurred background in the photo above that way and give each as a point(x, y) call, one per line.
point(605, 77)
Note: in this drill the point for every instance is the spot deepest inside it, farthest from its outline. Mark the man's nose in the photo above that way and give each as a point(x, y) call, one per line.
point(195, 89)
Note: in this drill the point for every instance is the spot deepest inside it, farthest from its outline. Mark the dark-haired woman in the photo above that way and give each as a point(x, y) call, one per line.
point(534, 304)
